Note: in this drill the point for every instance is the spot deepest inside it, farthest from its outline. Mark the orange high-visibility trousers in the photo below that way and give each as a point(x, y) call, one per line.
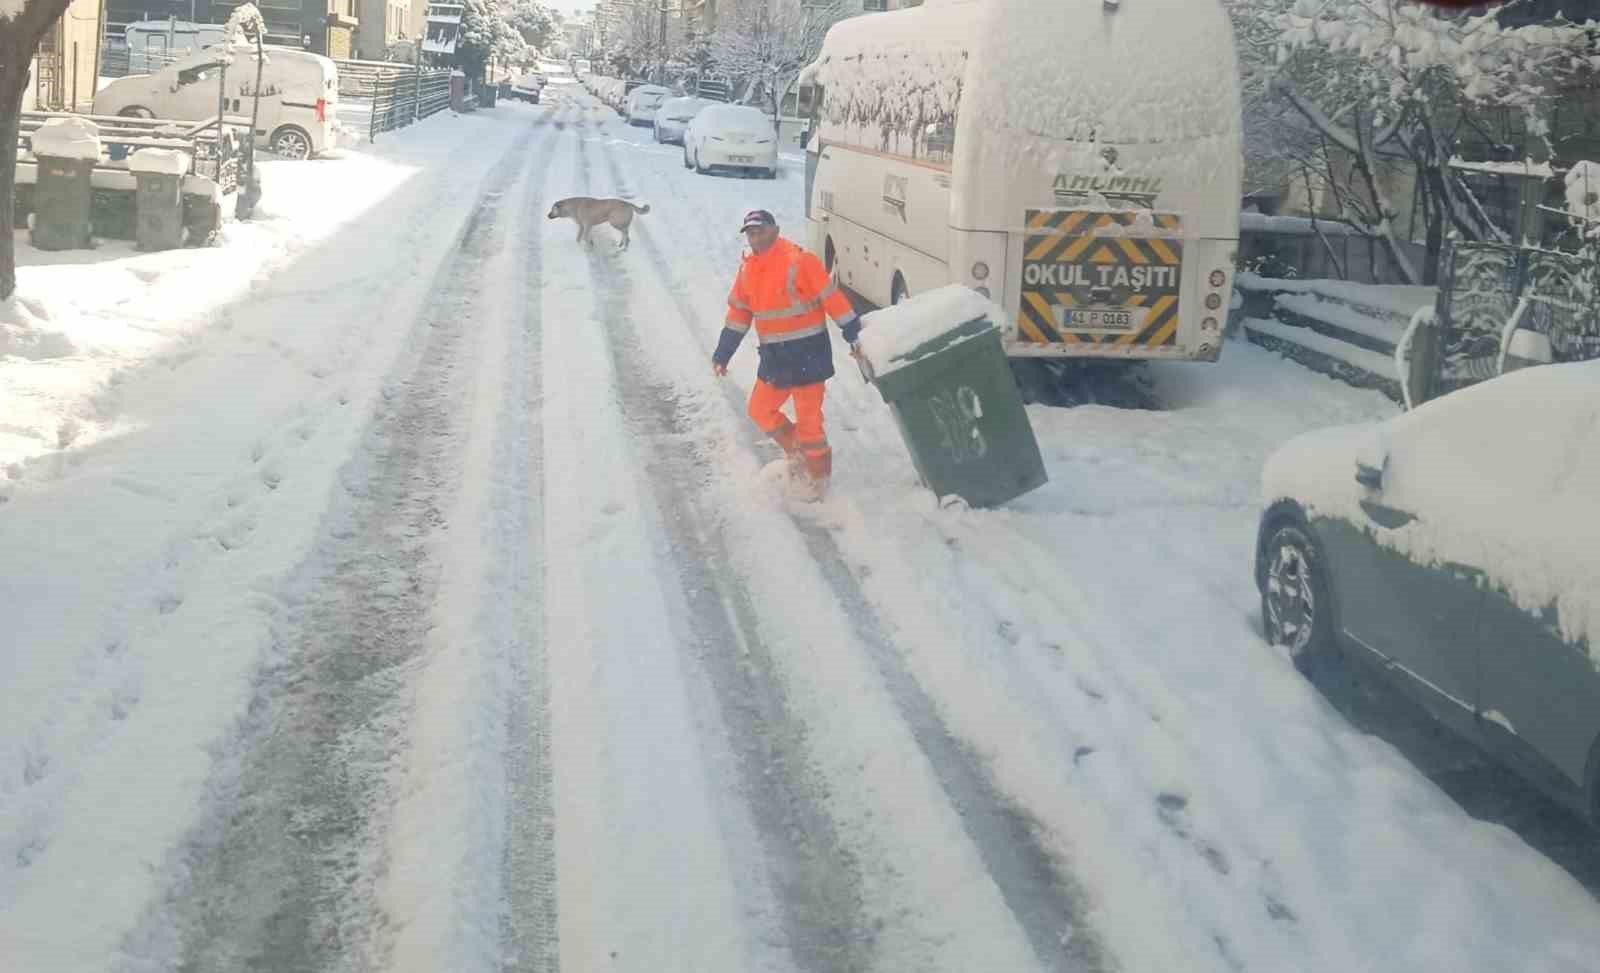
point(803, 437)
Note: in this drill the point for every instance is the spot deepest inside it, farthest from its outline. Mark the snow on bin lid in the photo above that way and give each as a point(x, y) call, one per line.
point(68, 138)
point(891, 338)
point(167, 162)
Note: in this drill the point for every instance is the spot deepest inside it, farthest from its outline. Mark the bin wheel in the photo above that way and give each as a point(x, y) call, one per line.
point(136, 111)
point(897, 289)
point(291, 142)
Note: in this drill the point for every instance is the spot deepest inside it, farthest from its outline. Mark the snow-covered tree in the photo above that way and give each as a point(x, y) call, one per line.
point(486, 33)
point(22, 24)
point(1385, 88)
point(764, 44)
point(532, 20)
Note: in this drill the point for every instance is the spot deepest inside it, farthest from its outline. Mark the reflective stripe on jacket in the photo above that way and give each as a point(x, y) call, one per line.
point(787, 296)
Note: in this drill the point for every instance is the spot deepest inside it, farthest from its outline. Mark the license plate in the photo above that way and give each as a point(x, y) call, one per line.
point(1100, 318)
point(742, 158)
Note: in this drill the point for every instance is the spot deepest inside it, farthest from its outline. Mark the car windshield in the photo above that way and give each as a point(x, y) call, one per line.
point(800, 486)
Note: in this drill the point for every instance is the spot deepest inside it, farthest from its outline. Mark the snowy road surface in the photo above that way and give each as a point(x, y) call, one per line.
point(429, 608)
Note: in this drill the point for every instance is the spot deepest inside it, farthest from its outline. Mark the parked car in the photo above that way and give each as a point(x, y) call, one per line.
point(299, 95)
point(642, 103)
point(1458, 548)
point(527, 88)
point(674, 116)
point(731, 137)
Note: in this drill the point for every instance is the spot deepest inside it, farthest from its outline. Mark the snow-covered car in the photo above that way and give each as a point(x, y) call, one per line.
point(642, 103)
point(527, 88)
point(299, 95)
point(674, 116)
point(1457, 547)
point(731, 137)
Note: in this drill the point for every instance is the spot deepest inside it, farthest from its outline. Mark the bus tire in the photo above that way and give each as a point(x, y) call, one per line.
point(897, 289)
point(136, 111)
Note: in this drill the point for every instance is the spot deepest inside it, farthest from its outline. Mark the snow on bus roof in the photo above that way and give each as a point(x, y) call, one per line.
point(1152, 71)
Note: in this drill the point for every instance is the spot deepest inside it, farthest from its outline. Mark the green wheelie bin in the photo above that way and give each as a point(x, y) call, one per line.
point(938, 363)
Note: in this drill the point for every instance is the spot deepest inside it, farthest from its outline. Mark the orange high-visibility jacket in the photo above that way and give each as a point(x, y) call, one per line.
point(787, 296)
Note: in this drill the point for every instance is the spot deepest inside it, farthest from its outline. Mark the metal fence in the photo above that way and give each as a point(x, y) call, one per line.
point(357, 79)
point(400, 99)
point(1489, 290)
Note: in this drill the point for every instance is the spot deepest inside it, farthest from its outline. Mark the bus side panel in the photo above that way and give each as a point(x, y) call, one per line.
point(885, 216)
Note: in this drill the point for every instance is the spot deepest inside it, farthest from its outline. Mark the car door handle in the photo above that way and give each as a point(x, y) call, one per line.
point(1386, 517)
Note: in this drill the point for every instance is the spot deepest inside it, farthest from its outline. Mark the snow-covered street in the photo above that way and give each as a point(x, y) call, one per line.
point(396, 588)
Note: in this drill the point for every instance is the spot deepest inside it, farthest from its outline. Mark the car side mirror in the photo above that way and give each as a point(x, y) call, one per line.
point(1370, 477)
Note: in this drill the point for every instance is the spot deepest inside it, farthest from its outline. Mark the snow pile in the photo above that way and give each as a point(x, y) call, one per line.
point(22, 336)
point(10, 8)
point(1583, 195)
point(890, 337)
point(1502, 476)
point(68, 138)
point(168, 162)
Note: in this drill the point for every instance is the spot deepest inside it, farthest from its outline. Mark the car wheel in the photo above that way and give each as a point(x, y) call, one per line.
point(686, 163)
point(897, 290)
point(1296, 610)
point(291, 143)
point(703, 170)
point(657, 129)
point(134, 111)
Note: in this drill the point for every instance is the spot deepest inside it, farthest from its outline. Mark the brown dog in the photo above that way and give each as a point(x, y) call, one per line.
point(588, 213)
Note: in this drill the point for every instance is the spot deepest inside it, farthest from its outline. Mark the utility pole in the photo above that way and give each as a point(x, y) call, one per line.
point(661, 71)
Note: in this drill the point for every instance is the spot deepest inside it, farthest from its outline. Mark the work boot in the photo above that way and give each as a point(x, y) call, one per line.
point(819, 469)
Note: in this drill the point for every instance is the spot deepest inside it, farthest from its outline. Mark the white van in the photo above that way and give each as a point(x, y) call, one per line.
point(299, 95)
point(1078, 160)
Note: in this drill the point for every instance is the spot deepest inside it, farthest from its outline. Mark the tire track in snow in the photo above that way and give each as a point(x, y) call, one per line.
point(815, 877)
point(282, 871)
point(528, 928)
point(1039, 888)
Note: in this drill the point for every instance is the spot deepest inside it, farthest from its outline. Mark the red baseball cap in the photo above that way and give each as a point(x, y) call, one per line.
point(757, 217)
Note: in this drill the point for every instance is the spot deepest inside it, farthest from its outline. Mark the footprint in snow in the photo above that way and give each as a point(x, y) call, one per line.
point(1173, 810)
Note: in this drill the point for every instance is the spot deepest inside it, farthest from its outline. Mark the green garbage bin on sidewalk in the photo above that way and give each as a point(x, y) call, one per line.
point(938, 363)
point(66, 150)
point(159, 174)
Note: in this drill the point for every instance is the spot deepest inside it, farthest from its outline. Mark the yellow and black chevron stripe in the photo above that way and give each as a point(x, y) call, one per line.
point(1068, 237)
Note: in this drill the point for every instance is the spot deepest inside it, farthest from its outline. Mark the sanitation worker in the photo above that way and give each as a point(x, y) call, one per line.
point(787, 295)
